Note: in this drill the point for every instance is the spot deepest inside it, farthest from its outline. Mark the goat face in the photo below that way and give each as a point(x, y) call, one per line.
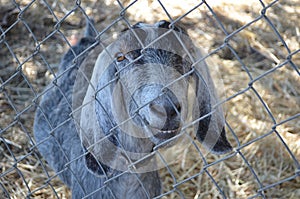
point(148, 97)
point(145, 90)
point(150, 92)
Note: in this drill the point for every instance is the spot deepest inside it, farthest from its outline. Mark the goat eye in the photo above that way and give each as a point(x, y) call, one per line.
point(120, 56)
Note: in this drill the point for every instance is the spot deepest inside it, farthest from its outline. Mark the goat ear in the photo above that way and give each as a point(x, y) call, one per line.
point(107, 161)
point(100, 158)
point(94, 166)
point(211, 131)
point(222, 146)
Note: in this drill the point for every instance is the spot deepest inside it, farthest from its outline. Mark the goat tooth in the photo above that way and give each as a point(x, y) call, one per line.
point(169, 131)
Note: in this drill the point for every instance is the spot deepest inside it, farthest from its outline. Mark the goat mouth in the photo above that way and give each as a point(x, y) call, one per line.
point(166, 134)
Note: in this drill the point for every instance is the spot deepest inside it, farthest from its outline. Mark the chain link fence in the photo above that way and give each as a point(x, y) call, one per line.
point(255, 46)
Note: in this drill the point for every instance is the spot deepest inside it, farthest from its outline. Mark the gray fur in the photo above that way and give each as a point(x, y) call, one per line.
point(71, 144)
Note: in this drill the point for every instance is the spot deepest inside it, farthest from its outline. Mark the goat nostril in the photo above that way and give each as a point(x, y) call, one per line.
point(178, 108)
point(165, 110)
point(175, 110)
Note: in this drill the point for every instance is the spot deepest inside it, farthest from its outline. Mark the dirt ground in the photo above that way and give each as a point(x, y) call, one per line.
point(265, 53)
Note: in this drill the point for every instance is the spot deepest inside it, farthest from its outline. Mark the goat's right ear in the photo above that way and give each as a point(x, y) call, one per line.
point(94, 166)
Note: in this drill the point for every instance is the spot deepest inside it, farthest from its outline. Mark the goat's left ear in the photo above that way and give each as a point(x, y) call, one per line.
point(211, 130)
point(215, 142)
point(222, 146)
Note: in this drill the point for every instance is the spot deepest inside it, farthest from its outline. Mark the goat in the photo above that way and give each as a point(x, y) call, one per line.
point(101, 121)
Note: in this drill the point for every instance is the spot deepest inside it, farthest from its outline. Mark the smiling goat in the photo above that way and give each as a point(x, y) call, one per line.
point(102, 119)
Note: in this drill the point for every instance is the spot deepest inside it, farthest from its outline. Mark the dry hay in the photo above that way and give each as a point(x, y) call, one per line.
point(257, 46)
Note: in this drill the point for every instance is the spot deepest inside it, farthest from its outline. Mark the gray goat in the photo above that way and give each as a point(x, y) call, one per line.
point(102, 114)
